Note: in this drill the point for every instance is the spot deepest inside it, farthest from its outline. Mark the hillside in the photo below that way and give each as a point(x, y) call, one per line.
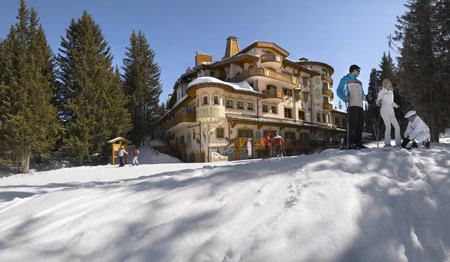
point(332, 206)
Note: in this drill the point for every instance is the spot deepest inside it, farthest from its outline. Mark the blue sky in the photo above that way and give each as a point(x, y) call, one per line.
point(339, 33)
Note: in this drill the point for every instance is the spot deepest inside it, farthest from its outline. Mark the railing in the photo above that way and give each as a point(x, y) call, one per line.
point(327, 92)
point(272, 94)
point(326, 78)
point(180, 118)
point(265, 72)
point(327, 106)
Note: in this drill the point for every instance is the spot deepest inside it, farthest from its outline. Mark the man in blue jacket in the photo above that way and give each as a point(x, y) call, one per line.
point(350, 90)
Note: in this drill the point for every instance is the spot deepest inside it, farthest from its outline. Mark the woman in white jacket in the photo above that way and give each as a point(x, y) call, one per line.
point(386, 100)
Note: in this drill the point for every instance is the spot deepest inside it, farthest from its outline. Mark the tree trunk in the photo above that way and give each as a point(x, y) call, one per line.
point(25, 161)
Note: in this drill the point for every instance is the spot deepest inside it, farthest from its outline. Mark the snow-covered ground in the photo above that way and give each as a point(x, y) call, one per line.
point(333, 206)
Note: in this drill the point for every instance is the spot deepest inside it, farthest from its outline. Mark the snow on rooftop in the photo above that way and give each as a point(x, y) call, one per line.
point(241, 86)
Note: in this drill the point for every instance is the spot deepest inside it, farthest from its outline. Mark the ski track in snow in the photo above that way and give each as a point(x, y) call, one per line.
point(332, 206)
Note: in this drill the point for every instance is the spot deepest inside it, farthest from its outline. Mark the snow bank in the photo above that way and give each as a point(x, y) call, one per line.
point(242, 86)
point(333, 206)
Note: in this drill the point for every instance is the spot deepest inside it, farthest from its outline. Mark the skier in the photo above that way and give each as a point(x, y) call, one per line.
point(416, 132)
point(278, 142)
point(249, 147)
point(121, 153)
point(350, 90)
point(386, 100)
point(267, 143)
point(135, 156)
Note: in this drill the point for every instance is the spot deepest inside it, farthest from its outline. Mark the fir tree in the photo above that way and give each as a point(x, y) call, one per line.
point(142, 85)
point(93, 100)
point(29, 121)
point(421, 62)
point(372, 116)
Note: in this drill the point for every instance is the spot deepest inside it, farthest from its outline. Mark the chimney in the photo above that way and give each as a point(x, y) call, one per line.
point(232, 47)
point(201, 58)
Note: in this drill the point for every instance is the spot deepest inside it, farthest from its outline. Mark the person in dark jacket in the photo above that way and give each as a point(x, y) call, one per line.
point(350, 90)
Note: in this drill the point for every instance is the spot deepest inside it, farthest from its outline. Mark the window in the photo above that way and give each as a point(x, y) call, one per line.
point(271, 132)
point(324, 118)
point(344, 122)
point(288, 113)
point(324, 72)
point(229, 103)
point(318, 117)
point(250, 106)
point(337, 121)
point(301, 115)
point(305, 97)
point(305, 81)
point(289, 135)
point(274, 109)
point(304, 137)
point(271, 87)
point(216, 100)
point(265, 108)
point(245, 133)
point(325, 85)
point(219, 132)
point(287, 92)
point(181, 139)
point(205, 100)
point(240, 105)
point(325, 100)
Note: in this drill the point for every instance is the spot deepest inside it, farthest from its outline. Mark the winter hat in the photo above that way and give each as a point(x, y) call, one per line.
point(410, 113)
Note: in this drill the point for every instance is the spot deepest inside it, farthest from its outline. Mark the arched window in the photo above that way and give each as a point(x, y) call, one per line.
point(205, 100)
point(216, 100)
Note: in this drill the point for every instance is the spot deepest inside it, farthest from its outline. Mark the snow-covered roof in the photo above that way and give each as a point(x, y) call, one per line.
point(119, 138)
point(241, 86)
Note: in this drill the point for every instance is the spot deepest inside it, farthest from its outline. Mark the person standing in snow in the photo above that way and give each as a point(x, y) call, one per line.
point(386, 100)
point(249, 147)
point(135, 156)
point(121, 154)
point(350, 90)
point(278, 142)
point(416, 132)
point(267, 143)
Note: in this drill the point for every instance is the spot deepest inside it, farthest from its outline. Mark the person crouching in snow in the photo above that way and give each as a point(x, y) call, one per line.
point(416, 132)
point(121, 154)
point(386, 100)
point(278, 142)
point(249, 147)
point(135, 156)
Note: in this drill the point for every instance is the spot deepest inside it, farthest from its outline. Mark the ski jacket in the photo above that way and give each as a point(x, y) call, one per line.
point(277, 140)
point(249, 144)
point(267, 140)
point(135, 152)
point(386, 97)
point(121, 152)
point(351, 87)
point(417, 129)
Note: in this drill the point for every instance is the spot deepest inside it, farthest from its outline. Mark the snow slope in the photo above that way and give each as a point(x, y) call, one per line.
point(332, 206)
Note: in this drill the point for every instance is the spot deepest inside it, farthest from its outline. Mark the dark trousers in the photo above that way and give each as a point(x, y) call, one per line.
point(355, 118)
point(122, 163)
point(267, 151)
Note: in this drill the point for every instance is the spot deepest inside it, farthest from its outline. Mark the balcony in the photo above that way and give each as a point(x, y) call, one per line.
point(182, 118)
point(326, 78)
point(264, 72)
point(327, 106)
point(272, 94)
point(328, 92)
point(271, 60)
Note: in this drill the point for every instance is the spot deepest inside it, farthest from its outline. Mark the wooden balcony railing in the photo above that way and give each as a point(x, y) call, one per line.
point(327, 92)
point(267, 94)
point(326, 78)
point(265, 72)
point(180, 118)
point(270, 58)
point(327, 106)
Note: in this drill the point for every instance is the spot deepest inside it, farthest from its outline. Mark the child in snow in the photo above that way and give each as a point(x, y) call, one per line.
point(278, 142)
point(386, 100)
point(416, 132)
point(121, 154)
point(135, 156)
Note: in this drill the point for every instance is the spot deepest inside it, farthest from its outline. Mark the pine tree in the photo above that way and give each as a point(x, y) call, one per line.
point(29, 121)
point(142, 85)
point(420, 63)
point(92, 97)
point(373, 112)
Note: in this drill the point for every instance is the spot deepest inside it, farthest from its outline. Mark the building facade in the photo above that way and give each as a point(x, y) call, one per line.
point(217, 106)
